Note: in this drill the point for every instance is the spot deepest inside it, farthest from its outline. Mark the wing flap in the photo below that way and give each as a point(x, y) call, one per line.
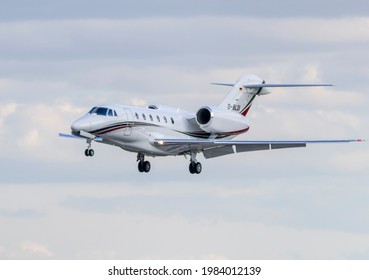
point(251, 147)
point(284, 146)
point(218, 151)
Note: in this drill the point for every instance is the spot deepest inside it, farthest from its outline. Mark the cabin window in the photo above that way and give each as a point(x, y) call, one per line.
point(157, 117)
point(171, 119)
point(136, 115)
point(165, 119)
point(144, 117)
point(151, 119)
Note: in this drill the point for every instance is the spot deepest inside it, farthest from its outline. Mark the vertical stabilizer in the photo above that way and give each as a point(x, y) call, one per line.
point(240, 98)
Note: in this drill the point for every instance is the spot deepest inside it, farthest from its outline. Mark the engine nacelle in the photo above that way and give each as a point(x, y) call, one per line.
point(216, 120)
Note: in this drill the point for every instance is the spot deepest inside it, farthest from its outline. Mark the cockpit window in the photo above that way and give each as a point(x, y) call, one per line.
point(102, 111)
point(92, 110)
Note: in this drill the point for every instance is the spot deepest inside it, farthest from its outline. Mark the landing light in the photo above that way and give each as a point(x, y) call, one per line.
point(161, 142)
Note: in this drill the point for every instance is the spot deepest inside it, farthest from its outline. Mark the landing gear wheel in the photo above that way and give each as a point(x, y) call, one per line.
point(195, 167)
point(146, 166)
point(89, 152)
point(198, 168)
point(141, 166)
point(192, 167)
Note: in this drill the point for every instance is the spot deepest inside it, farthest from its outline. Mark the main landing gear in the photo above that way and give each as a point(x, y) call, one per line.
point(143, 166)
point(89, 152)
point(195, 167)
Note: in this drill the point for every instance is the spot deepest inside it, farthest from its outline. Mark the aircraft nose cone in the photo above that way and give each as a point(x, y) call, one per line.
point(79, 125)
point(75, 126)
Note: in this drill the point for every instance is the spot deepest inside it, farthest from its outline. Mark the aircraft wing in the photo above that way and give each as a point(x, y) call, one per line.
point(215, 148)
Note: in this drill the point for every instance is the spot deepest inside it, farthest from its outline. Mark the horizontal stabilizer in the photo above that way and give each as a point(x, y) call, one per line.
point(274, 85)
point(286, 85)
point(223, 84)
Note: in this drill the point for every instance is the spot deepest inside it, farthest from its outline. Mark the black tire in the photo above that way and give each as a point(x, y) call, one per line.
point(146, 166)
point(91, 152)
point(191, 167)
point(198, 168)
point(86, 153)
point(141, 166)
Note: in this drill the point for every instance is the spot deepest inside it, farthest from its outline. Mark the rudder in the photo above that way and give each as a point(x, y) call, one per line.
point(240, 98)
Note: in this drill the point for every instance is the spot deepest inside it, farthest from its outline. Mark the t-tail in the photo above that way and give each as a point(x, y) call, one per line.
point(244, 91)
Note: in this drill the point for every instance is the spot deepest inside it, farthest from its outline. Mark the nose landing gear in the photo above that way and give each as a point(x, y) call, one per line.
point(89, 152)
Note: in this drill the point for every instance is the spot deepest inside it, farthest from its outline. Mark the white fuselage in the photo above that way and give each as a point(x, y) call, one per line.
point(134, 128)
point(165, 131)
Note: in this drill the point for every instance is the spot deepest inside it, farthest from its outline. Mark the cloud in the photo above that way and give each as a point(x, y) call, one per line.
point(8, 109)
point(20, 213)
point(69, 108)
point(31, 140)
point(55, 65)
point(5, 111)
point(298, 202)
point(179, 8)
point(36, 249)
point(354, 160)
point(190, 38)
point(138, 102)
point(284, 219)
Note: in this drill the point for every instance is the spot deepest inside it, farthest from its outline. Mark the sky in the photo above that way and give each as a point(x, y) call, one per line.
point(60, 58)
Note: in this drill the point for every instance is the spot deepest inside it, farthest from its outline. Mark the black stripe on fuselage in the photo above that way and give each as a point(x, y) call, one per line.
point(119, 125)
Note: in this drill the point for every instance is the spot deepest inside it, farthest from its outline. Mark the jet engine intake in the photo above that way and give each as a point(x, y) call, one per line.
point(216, 120)
point(204, 115)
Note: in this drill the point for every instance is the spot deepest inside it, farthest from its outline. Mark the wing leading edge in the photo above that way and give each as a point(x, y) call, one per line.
point(215, 148)
point(82, 137)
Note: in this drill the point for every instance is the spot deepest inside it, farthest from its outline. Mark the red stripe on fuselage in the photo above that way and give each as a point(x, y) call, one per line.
point(113, 129)
point(236, 132)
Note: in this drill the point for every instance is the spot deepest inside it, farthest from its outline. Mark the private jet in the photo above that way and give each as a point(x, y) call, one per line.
point(158, 130)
